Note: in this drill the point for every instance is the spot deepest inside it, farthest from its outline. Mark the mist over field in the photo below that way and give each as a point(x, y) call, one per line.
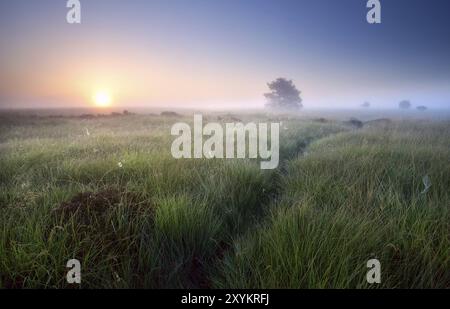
point(104, 188)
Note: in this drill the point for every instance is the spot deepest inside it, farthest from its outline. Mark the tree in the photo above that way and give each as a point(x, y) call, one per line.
point(422, 108)
point(366, 104)
point(405, 104)
point(283, 95)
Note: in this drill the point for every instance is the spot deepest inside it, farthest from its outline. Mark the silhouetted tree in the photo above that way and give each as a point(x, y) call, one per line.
point(365, 104)
point(283, 95)
point(405, 104)
point(422, 108)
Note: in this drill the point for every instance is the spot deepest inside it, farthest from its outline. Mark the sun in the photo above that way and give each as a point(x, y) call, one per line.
point(102, 98)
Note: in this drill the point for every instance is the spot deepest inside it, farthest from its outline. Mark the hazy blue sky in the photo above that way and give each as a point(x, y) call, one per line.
point(211, 53)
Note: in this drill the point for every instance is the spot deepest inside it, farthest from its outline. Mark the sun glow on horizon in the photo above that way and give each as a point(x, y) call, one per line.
point(102, 98)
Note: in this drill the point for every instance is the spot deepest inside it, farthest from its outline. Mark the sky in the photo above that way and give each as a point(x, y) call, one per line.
point(221, 53)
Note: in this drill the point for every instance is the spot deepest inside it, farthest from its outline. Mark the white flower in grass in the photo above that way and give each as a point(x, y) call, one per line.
point(120, 164)
point(87, 132)
point(427, 184)
point(117, 277)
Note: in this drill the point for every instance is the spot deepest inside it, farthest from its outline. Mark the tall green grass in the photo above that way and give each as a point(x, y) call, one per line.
point(338, 198)
point(354, 197)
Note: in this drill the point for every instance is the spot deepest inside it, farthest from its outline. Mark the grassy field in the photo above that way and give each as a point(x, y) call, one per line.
point(107, 192)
